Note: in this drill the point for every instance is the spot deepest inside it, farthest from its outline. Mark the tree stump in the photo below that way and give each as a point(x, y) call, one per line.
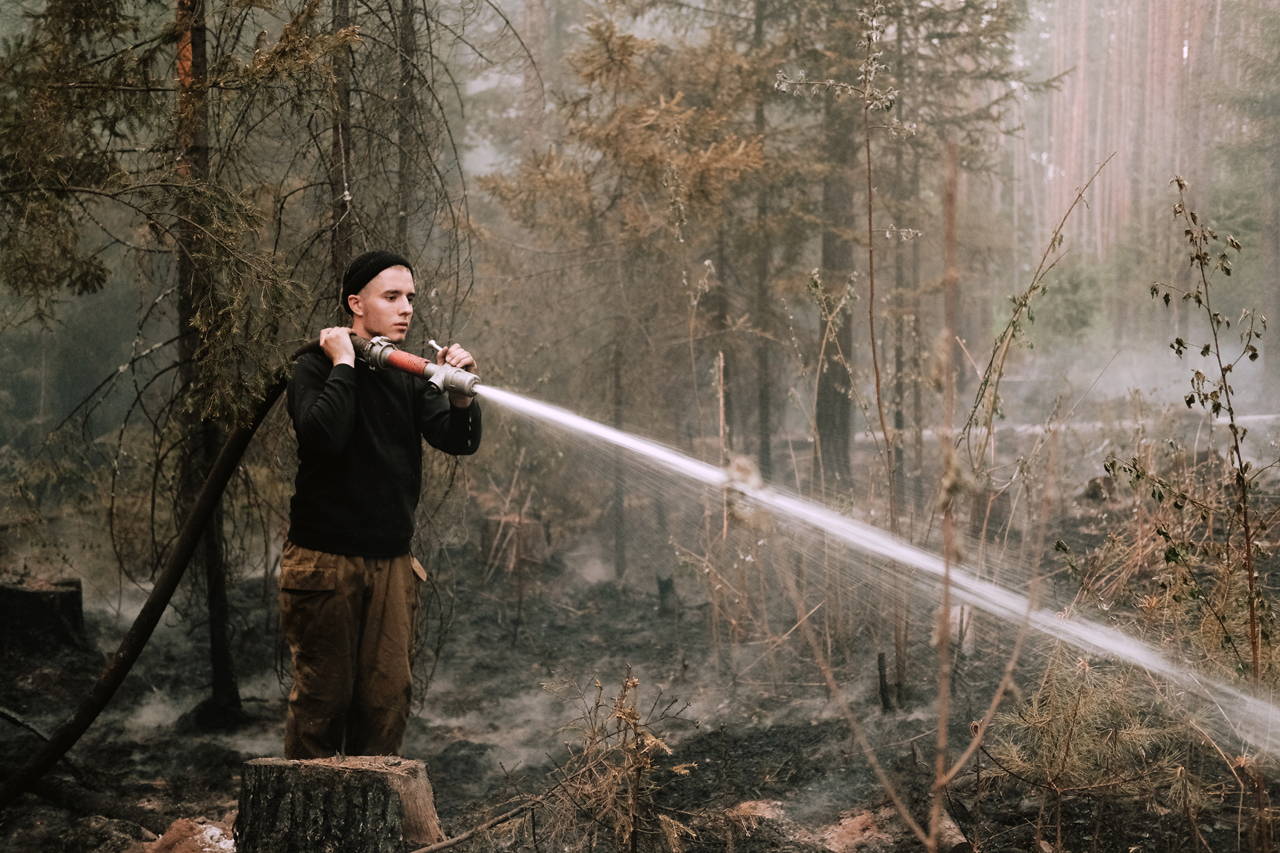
point(358, 804)
point(39, 617)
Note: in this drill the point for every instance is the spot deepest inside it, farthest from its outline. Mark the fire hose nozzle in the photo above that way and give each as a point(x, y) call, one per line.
point(446, 377)
point(381, 353)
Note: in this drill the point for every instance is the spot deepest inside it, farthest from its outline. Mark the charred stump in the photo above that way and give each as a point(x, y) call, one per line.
point(38, 617)
point(359, 804)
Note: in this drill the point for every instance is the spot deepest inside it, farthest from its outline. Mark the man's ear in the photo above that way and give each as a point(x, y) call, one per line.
point(357, 308)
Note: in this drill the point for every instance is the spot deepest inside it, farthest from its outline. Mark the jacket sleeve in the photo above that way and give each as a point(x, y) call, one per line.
point(322, 403)
point(448, 429)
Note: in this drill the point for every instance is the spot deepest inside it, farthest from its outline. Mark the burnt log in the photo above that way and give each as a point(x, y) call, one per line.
point(357, 804)
point(39, 617)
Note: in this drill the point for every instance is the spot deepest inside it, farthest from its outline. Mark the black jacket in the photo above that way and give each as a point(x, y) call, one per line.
point(360, 435)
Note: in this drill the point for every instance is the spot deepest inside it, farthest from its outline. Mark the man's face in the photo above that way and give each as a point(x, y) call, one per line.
point(385, 305)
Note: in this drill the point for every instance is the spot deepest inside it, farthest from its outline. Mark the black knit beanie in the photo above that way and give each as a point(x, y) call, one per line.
point(364, 268)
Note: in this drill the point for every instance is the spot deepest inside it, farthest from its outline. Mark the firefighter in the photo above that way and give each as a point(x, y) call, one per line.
point(349, 585)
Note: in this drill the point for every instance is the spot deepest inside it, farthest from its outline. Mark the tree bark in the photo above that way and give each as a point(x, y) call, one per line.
point(202, 436)
point(764, 258)
point(340, 158)
point(359, 804)
point(833, 413)
point(719, 302)
point(406, 134)
point(619, 502)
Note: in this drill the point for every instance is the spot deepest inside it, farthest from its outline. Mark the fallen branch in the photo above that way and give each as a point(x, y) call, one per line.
point(490, 824)
point(20, 722)
point(166, 583)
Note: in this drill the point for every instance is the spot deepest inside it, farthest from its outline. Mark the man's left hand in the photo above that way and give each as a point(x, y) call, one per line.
point(455, 356)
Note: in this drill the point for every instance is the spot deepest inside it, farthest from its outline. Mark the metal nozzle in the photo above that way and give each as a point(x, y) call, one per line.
point(446, 377)
point(449, 378)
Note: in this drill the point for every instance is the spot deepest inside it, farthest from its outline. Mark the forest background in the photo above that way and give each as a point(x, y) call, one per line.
point(594, 192)
point(719, 225)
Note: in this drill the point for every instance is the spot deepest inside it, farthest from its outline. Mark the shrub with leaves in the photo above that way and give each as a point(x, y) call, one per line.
point(1225, 545)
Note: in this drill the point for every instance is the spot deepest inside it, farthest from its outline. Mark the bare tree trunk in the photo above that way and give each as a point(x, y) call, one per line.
point(1077, 153)
point(720, 299)
point(535, 34)
point(406, 136)
point(898, 302)
point(764, 256)
point(203, 437)
point(1270, 307)
point(834, 406)
point(764, 370)
point(1059, 130)
point(619, 476)
point(340, 158)
point(916, 363)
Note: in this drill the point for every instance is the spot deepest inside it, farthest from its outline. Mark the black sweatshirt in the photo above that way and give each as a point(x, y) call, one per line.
point(360, 435)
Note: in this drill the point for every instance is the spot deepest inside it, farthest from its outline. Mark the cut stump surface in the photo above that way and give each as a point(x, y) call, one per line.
point(359, 804)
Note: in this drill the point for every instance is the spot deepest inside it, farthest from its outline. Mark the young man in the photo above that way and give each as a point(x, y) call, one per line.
point(348, 584)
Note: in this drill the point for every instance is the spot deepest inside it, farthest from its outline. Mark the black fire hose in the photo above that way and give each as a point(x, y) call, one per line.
point(166, 583)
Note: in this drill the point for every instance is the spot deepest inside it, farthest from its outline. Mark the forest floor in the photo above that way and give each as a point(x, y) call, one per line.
point(773, 763)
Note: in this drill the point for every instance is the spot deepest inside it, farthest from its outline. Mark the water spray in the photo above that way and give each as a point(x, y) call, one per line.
point(381, 353)
point(1252, 719)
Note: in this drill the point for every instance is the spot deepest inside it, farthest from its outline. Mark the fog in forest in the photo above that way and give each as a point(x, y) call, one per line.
point(887, 388)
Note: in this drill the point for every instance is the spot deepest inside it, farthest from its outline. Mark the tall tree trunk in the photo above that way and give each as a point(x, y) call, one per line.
point(340, 158)
point(899, 289)
point(1270, 306)
point(720, 299)
point(406, 136)
point(764, 256)
point(535, 34)
point(1077, 154)
point(203, 437)
point(1058, 131)
point(915, 363)
point(619, 475)
point(833, 413)
point(764, 368)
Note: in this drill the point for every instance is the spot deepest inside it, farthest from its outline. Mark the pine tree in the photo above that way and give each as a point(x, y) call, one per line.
point(631, 196)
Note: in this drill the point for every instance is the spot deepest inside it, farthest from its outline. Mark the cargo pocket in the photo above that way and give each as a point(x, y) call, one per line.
point(304, 570)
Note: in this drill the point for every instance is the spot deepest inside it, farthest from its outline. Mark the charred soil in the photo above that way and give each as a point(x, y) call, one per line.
point(758, 762)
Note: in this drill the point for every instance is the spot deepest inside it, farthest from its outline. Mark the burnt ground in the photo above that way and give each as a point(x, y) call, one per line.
point(773, 764)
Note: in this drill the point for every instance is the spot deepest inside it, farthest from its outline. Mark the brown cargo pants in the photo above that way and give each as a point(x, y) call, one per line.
point(350, 623)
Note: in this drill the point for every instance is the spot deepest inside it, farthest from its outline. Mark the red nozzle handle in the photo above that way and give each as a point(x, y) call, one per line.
point(382, 353)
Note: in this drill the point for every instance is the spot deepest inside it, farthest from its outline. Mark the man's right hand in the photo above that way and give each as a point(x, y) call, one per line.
point(336, 343)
